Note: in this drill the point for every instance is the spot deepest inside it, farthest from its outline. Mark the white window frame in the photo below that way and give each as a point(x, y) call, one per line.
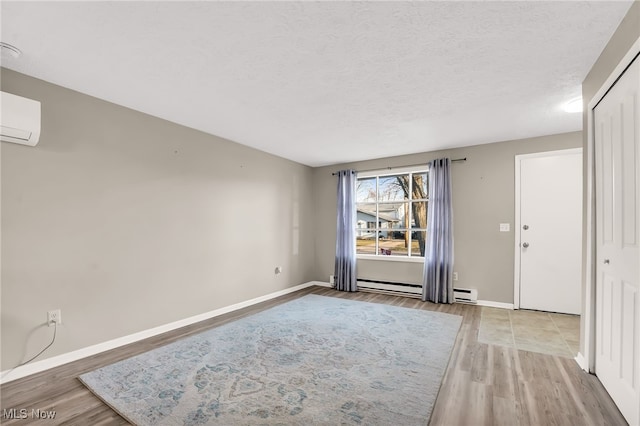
point(393, 172)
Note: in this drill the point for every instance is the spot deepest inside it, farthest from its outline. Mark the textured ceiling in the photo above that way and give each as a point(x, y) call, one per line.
point(324, 82)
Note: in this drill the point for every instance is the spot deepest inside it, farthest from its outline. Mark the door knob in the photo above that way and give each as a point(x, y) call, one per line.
point(606, 261)
point(525, 245)
point(525, 227)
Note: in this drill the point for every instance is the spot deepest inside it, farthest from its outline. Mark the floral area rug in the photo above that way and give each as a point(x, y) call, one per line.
point(314, 360)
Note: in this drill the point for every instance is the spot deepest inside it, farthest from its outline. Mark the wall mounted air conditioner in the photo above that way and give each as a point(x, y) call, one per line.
point(19, 119)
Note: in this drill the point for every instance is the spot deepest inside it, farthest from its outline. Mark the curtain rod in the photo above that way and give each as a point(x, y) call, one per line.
point(457, 160)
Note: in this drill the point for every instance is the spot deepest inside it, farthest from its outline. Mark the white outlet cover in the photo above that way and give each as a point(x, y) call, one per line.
point(54, 316)
point(505, 227)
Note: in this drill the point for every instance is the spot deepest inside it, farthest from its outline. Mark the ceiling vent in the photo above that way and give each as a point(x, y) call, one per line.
point(19, 119)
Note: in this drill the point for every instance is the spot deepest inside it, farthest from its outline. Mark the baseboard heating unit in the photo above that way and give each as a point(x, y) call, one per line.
point(405, 289)
point(460, 295)
point(465, 295)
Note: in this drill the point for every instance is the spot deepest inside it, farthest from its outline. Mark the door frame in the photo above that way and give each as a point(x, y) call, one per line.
point(586, 357)
point(517, 224)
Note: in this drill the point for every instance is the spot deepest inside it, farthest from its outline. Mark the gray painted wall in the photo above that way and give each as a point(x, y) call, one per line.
point(126, 222)
point(626, 34)
point(483, 197)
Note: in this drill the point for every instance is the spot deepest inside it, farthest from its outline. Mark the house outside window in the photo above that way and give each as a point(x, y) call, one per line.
point(392, 213)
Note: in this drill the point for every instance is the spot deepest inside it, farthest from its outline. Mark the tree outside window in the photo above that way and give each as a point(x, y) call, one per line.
point(392, 214)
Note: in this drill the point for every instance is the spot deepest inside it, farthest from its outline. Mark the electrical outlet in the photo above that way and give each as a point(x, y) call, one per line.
point(331, 280)
point(455, 276)
point(54, 316)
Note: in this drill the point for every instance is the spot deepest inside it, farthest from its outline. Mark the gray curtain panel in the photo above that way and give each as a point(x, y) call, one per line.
point(345, 266)
point(437, 281)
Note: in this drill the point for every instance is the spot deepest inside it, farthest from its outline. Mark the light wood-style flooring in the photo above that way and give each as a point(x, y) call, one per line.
point(484, 384)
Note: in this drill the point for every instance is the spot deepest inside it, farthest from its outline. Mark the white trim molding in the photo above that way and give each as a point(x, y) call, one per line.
point(588, 345)
point(378, 258)
point(582, 362)
point(46, 364)
point(492, 304)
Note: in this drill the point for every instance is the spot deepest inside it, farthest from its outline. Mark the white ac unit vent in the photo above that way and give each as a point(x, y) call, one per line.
point(19, 119)
point(465, 295)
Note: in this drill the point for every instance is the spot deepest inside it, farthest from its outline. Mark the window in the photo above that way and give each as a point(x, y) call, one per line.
point(392, 213)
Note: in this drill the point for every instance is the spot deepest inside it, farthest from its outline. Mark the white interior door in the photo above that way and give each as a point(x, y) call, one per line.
point(616, 149)
point(550, 230)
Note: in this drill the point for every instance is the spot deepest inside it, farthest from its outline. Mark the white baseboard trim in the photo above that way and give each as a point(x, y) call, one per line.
point(492, 304)
point(46, 364)
point(582, 362)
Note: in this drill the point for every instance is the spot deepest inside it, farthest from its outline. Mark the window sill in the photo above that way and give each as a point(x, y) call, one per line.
point(390, 258)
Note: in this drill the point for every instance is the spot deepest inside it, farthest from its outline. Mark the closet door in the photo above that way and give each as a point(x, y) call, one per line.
point(617, 174)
